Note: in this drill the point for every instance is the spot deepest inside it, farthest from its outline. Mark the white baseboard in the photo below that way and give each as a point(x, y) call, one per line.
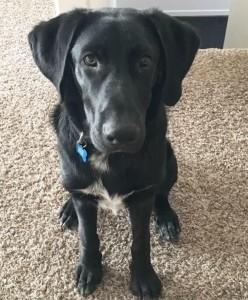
point(198, 13)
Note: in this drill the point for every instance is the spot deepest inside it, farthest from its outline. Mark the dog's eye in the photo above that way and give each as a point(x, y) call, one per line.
point(90, 60)
point(145, 62)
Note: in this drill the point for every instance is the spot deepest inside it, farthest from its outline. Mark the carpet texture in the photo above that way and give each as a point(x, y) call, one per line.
point(208, 130)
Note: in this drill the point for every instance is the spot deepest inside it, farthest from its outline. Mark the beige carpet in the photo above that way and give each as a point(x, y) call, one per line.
point(209, 132)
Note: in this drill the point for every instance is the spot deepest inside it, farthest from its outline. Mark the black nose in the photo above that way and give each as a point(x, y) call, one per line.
point(119, 135)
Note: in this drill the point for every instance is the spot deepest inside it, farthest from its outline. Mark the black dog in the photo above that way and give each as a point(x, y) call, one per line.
point(115, 69)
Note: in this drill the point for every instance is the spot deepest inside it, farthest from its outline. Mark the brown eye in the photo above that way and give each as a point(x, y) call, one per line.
point(144, 62)
point(90, 60)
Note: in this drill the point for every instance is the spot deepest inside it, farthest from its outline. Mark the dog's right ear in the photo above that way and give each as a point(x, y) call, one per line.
point(51, 41)
point(179, 44)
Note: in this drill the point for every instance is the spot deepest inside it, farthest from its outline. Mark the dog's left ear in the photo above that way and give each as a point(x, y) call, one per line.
point(50, 43)
point(179, 45)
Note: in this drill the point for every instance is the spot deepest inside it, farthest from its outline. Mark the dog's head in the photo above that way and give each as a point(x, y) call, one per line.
point(110, 66)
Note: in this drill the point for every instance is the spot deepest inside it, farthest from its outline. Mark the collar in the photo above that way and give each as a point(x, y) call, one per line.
point(81, 147)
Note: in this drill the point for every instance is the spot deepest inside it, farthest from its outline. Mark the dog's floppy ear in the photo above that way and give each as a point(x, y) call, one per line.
point(50, 43)
point(179, 45)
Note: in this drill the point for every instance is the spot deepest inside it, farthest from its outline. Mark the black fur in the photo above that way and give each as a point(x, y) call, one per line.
point(139, 61)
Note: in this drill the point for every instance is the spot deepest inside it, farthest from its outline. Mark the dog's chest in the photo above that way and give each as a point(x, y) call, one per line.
point(112, 202)
point(115, 183)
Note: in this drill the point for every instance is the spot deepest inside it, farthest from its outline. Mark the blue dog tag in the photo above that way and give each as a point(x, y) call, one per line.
point(82, 152)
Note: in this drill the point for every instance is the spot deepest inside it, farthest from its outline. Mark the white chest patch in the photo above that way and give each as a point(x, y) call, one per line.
point(113, 202)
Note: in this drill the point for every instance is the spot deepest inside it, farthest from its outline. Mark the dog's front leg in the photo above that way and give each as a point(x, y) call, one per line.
point(144, 281)
point(89, 269)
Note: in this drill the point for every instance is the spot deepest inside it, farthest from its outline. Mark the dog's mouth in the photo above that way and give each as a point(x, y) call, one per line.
point(111, 148)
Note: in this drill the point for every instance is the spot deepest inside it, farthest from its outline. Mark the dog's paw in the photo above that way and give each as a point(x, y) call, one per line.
point(145, 284)
point(88, 278)
point(168, 226)
point(67, 216)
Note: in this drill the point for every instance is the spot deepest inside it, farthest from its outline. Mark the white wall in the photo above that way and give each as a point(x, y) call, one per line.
point(65, 5)
point(182, 7)
point(173, 7)
point(237, 26)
